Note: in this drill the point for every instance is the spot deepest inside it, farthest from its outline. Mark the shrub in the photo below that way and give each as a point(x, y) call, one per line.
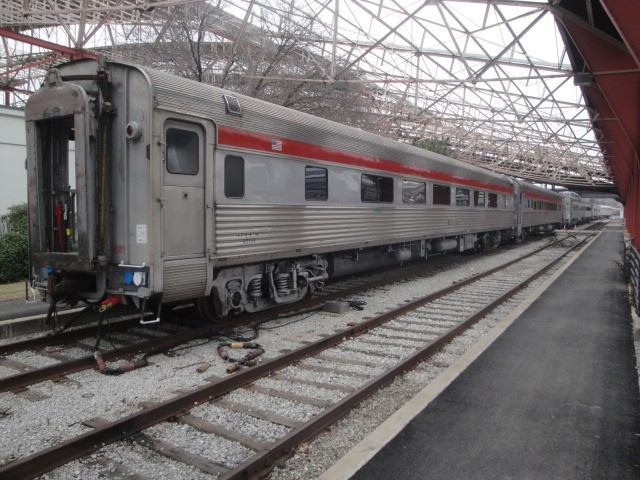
point(14, 256)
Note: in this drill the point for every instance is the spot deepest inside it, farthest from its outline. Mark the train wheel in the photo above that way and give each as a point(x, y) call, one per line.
point(207, 309)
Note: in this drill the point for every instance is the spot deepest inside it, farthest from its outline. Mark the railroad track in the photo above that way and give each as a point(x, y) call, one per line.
point(388, 344)
point(336, 289)
point(153, 339)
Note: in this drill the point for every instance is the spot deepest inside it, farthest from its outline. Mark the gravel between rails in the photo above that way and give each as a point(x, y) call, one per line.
point(36, 425)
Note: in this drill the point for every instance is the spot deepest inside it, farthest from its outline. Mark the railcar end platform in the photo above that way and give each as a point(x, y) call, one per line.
point(555, 396)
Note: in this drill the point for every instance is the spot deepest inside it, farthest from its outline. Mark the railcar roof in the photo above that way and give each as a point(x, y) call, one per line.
point(269, 119)
point(186, 96)
point(529, 187)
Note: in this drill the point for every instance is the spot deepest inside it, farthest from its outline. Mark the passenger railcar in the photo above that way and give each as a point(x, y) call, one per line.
point(540, 210)
point(575, 209)
point(153, 188)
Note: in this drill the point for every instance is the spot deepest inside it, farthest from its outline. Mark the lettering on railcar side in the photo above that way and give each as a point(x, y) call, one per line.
point(248, 238)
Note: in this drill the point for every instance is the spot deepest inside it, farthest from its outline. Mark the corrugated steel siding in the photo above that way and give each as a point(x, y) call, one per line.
point(540, 218)
point(184, 279)
point(268, 229)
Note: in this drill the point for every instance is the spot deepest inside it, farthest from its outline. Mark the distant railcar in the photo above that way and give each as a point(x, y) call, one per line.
point(576, 209)
point(157, 189)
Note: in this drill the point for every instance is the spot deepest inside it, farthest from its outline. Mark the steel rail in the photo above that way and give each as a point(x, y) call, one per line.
point(59, 338)
point(309, 303)
point(259, 464)
point(21, 380)
point(82, 332)
point(46, 460)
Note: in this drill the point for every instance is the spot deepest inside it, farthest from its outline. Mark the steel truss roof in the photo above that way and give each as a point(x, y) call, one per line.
point(491, 78)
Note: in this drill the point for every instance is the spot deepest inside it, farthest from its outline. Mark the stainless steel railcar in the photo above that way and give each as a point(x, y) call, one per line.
point(539, 209)
point(575, 209)
point(150, 187)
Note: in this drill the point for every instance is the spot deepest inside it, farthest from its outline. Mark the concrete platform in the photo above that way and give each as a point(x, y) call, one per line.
point(18, 317)
point(555, 396)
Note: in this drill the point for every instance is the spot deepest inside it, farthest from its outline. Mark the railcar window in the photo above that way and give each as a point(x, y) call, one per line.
point(233, 176)
point(316, 186)
point(493, 200)
point(376, 189)
point(463, 197)
point(441, 195)
point(183, 155)
point(479, 198)
point(414, 192)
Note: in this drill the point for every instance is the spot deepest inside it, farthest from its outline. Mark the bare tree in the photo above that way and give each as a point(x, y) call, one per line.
point(188, 42)
point(271, 56)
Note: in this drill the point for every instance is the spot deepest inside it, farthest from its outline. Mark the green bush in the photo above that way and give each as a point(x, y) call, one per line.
point(14, 256)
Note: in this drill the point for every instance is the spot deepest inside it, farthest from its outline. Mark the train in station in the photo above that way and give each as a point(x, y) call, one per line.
point(149, 189)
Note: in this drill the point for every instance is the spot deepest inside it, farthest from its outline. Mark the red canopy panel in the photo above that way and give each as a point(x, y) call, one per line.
point(612, 56)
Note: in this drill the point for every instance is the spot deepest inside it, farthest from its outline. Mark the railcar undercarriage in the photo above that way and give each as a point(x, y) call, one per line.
point(256, 287)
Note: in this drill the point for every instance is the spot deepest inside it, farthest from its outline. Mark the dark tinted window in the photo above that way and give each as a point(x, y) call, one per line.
point(463, 197)
point(479, 198)
point(315, 183)
point(414, 192)
point(441, 195)
point(183, 156)
point(376, 189)
point(493, 200)
point(233, 176)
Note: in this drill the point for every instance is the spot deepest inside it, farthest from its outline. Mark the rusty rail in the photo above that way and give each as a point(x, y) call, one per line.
point(46, 460)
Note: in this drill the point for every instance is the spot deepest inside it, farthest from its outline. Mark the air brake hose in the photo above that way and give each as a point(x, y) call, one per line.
point(127, 367)
point(248, 360)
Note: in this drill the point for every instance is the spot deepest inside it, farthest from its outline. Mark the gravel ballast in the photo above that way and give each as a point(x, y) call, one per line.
point(34, 425)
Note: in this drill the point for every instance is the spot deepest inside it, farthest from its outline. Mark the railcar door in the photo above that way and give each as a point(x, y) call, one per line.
point(183, 188)
point(186, 218)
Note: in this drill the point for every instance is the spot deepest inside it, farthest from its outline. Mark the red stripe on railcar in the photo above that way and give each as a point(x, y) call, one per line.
point(256, 141)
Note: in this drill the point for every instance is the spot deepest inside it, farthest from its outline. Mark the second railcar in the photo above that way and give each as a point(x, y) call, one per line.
point(539, 209)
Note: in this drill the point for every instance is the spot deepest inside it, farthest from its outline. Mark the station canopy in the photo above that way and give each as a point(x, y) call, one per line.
point(489, 82)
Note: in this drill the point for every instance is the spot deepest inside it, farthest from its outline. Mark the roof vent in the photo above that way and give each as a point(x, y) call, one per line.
point(232, 104)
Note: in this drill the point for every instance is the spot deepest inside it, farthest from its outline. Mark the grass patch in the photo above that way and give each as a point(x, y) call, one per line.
point(12, 291)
